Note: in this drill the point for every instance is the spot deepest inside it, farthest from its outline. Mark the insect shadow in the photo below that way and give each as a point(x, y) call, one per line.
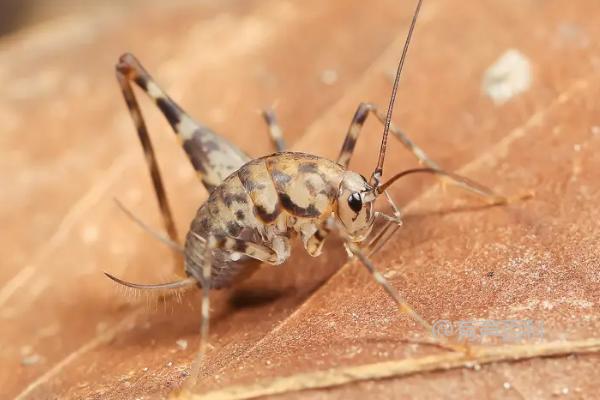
point(257, 296)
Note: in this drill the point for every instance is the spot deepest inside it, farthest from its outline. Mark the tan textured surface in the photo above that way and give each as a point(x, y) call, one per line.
point(68, 148)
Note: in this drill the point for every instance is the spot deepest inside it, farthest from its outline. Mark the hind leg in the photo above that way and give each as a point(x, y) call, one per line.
point(150, 157)
point(204, 319)
point(232, 246)
point(213, 157)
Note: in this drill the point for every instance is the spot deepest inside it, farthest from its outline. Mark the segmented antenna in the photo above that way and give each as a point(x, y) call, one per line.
point(378, 172)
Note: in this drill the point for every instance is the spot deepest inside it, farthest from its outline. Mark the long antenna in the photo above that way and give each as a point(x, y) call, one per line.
point(378, 172)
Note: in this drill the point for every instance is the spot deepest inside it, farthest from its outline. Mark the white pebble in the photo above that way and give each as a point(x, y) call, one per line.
point(508, 77)
point(182, 344)
point(329, 76)
point(31, 359)
point(89, 234)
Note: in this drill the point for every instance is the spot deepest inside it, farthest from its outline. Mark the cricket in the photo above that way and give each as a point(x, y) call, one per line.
point(257, 206)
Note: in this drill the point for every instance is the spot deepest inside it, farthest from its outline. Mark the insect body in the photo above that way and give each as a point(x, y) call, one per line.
point(256, 206)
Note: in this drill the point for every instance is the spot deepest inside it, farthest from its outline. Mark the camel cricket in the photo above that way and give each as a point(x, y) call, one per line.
point(256, 206)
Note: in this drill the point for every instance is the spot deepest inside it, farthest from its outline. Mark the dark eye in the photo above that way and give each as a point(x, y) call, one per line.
point(355, 202)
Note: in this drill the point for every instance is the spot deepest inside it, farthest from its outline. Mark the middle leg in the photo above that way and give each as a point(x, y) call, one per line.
point(274, 130)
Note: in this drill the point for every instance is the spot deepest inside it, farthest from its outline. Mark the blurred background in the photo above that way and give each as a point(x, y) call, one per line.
point(19, 14)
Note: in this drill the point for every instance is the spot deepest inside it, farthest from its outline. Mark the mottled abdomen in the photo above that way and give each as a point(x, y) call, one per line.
point(265, 202)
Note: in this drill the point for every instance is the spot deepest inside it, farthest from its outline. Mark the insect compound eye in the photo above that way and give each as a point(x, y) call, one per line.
point(355, 202)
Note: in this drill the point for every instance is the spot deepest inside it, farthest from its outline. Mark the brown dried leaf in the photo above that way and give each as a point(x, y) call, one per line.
point(453, 259)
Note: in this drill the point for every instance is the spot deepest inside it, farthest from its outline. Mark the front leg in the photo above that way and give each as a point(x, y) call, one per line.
point(313, 237)
point(391, 291)
point(354, 250)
